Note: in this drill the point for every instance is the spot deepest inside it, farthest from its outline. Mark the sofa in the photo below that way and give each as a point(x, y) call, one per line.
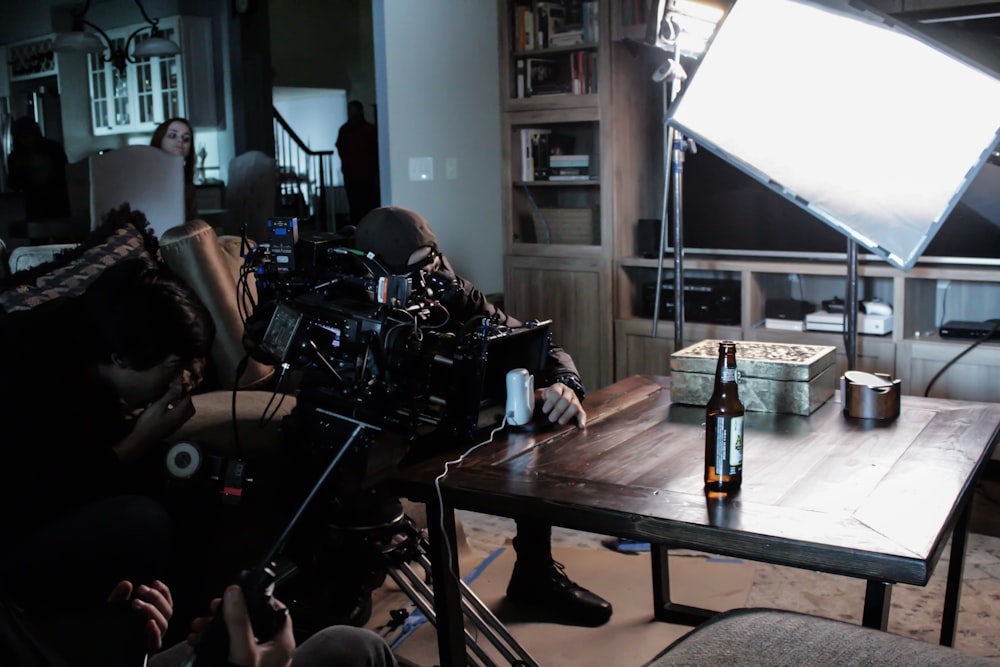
point(211, 265)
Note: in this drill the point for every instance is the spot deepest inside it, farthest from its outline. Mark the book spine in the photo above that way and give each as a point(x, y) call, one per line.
point(520, 85)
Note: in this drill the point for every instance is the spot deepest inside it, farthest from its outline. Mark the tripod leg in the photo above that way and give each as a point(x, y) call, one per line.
point(413, 548)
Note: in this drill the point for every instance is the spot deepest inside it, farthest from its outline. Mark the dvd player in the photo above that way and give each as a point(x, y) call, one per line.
point(876, 325)
point(969, 329)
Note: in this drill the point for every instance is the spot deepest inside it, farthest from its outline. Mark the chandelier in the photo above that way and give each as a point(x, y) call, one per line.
point(79, 40)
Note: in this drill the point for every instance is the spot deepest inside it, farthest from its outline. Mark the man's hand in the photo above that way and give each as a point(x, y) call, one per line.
point(156, 422)
point(154, 603)
point(561, 404)
point(193, 375)
point(243, 647)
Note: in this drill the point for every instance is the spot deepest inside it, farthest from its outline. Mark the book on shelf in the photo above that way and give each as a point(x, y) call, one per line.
point(524, 28)
point(568, 73)
point(564, 160)
point(534, 159)
point(568, 171)
point(551, 17)
point(569, 177)
point(545, 25)
point(547, 76)
point(566, 38)
point(590, 22)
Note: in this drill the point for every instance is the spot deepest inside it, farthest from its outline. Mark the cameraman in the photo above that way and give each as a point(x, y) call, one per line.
point(89, 386)
point(403, 239)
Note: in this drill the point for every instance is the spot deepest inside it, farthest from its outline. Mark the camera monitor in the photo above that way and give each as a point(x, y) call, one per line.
point(281, 331)
point(526, 347)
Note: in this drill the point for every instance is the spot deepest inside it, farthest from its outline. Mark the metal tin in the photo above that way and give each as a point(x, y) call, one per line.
point(772, 377)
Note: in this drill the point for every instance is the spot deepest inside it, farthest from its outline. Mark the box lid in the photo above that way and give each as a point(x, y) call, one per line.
point(777, 361)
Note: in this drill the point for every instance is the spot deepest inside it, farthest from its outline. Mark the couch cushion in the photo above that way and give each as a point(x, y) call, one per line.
point(123, 236)
point(213, 268)
point(769, 637)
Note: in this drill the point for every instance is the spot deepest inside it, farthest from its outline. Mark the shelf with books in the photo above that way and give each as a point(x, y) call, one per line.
point(554, 153)
point(537, 25)
point(555, 96)
point(571, 71)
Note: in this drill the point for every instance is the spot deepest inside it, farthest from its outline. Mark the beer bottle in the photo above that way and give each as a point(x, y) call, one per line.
point(724, 427)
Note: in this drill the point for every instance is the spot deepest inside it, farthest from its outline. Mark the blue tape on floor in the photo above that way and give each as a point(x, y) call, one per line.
point(417, 618)
point(625, 545)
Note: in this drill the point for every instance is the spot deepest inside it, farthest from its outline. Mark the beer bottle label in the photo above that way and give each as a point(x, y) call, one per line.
point(728, 444)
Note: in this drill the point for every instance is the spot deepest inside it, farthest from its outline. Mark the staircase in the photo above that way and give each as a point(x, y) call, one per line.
point(305, 180)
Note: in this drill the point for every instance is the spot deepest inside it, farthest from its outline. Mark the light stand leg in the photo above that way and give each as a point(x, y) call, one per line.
point(851, 307)
point(668, 142)
point(673, 167)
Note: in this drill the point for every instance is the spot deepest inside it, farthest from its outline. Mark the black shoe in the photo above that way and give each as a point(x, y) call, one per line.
point(547, 588)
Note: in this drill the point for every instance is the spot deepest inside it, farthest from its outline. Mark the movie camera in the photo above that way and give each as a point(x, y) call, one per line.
point(380, 348)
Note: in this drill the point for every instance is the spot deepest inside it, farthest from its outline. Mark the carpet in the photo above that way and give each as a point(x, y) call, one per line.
point(631, 638)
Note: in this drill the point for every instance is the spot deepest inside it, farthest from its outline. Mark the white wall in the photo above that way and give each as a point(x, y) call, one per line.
point(438, 82)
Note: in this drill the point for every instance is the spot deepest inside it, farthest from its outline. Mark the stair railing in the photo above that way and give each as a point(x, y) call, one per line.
point(305, 175)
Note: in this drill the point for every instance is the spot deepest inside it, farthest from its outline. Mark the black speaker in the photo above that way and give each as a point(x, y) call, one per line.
point(715, 301)
point(647, 237)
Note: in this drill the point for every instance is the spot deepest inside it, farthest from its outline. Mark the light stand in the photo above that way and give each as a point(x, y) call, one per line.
point(674, 145)
point(682, 32)
point(851, 306)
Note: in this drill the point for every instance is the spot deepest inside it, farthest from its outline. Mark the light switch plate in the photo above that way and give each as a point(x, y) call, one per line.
point(451, 168)
point(421, 169)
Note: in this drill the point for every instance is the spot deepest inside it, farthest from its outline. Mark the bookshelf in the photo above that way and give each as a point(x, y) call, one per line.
point(556, 95)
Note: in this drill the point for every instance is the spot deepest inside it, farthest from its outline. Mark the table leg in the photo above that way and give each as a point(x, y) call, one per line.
point(878, 595)
point(956, 571)
point(447, 598)
point(663, 609)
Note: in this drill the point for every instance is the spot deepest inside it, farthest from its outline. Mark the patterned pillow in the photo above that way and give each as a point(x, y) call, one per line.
point(124, 235)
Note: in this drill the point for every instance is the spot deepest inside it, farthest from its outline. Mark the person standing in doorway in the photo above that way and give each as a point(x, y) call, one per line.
point(37, 167)
point(357, 142)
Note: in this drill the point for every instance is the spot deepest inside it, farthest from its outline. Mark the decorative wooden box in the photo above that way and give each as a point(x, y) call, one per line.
point(772, 377)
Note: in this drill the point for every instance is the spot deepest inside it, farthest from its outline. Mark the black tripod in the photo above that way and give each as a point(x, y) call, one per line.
point(390, 542)
point(399, 545)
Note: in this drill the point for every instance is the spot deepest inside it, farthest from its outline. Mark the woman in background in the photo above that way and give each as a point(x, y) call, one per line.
point(176, 136)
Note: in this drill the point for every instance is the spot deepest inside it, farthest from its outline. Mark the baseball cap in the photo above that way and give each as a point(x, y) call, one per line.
point(394, 233)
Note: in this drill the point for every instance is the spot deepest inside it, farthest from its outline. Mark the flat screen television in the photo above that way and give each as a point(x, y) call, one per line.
point(727, 212)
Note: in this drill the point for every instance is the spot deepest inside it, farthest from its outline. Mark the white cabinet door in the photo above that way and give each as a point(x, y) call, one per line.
point(150, 90)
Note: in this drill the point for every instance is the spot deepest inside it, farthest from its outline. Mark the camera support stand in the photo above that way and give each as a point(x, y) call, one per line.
point(398, 543)
point(406, 546)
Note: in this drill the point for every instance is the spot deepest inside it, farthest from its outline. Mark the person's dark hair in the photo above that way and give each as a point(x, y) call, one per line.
point(189, 161)
point(356, 105)
point(144, 315)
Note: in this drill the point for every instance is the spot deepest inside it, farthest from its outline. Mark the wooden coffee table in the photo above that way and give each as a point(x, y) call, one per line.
point(825, 493)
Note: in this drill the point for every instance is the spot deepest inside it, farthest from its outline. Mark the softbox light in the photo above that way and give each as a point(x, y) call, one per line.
point(861, 120)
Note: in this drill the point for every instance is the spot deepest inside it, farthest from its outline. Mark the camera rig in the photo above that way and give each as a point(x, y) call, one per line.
point(380, 349)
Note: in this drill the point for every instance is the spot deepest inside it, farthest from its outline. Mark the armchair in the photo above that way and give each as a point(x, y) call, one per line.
point(149, 179)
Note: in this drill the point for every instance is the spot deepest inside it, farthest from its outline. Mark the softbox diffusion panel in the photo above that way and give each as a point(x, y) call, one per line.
point(860, 120)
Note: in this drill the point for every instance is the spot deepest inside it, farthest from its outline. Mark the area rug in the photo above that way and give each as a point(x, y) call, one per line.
point(916, 611)
point(630, 638)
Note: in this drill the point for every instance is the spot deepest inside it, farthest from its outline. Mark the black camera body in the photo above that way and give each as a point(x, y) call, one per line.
point(379, 348)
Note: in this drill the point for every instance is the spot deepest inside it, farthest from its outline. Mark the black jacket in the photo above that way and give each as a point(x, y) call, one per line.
point(465, 302)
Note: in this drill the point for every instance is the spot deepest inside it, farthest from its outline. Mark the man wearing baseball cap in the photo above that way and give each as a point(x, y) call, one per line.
point(404, 241)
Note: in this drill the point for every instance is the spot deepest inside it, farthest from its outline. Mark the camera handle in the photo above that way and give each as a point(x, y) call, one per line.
point(266, 619)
